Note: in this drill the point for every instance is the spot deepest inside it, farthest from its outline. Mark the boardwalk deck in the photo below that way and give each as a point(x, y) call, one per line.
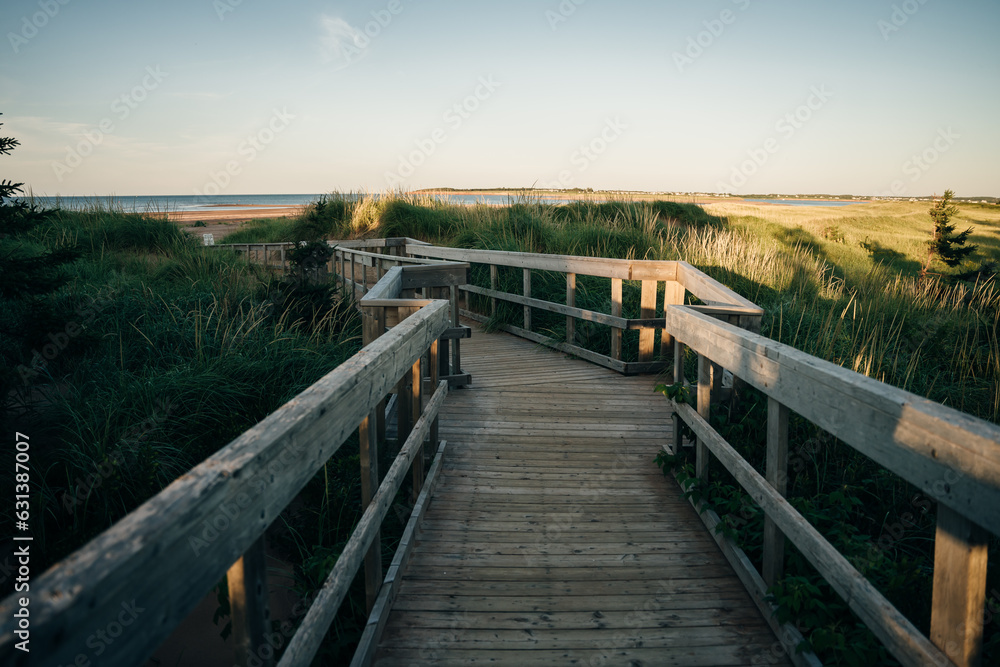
point(552, 538)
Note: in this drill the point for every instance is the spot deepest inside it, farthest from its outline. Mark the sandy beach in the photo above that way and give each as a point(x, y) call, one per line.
point(224, 219)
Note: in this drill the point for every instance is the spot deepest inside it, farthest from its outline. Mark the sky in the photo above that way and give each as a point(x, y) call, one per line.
point(867, 97)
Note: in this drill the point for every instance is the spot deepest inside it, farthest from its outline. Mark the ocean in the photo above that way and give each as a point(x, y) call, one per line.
point(179, 203)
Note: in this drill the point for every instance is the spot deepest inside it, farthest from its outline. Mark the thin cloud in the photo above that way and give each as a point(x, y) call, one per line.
point(341, 43)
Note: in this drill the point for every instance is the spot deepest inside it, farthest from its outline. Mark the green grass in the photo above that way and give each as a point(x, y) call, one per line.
point(189, 347)
point(839, 283)
point(175, 350)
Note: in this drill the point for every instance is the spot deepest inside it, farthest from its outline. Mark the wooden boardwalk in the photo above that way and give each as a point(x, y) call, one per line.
point(552, 538)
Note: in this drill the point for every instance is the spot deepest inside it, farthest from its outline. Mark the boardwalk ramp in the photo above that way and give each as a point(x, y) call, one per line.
point(551, 536)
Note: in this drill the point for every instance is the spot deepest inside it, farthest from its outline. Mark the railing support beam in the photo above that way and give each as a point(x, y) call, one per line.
point(571, 302)
point(647, 310)
point(368, 438)
point(616, 311)
point(777, 477)
point(248, 604)
point(959, 599)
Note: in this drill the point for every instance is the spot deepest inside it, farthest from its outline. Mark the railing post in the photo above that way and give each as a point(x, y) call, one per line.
point(704, 408)
point(678, 380)
point(404, 408)
point(673, 295)
point(343, 271)
point(456, 349)
point(248, 604)
point(368, 439)
point(284, 269)
point(527, 293)
point(416, 409)
point(777, 476)
point(354, 280)
point(616, 311)
point(647, 335)
point(959, 598)
point(434, 371)
point(494, 282)
point(570, 301)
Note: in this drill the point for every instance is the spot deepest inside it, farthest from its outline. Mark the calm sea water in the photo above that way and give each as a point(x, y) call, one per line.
point(806, 202)
point(143, 204)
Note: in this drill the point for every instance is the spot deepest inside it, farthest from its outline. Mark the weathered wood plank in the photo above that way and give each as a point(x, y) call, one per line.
point(704, 409)
point(616, 311)
point(903, 640)
point(379, 614)
point(589, 266)
point(304, 644)
point(951, 456)
point(527, 295)
point(570, 302)
point(647, 336)
point(193, 530)
point(777, 476)
point(368, 442)
point(248, 603)
point(673, 294)
point(961, 551)
point(558, 345)
point(587, 519)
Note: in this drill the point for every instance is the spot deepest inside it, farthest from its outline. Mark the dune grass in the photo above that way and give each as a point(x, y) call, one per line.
point(182, 348)
point(173, 351)
point(839, 283)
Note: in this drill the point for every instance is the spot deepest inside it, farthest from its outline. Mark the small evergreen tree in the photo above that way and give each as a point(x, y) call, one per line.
point(945, 244)
point(28, 272)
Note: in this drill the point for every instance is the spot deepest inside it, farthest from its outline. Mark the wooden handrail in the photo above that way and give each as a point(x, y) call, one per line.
point(677, 277)
point(163, 557)
point(952, 457)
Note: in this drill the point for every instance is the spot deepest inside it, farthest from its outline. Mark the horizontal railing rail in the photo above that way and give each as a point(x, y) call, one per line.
point(410, 309)
point(678, 278)
point(950, 456)
point(164, 557)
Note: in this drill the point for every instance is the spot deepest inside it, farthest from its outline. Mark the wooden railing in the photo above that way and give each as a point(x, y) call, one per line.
point(678, 278)
point(164, 556)
point(161, 559)
point(952, 457)
point(268, 254)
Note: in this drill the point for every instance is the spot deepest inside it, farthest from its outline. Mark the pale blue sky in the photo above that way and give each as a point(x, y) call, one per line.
point(256, 97)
